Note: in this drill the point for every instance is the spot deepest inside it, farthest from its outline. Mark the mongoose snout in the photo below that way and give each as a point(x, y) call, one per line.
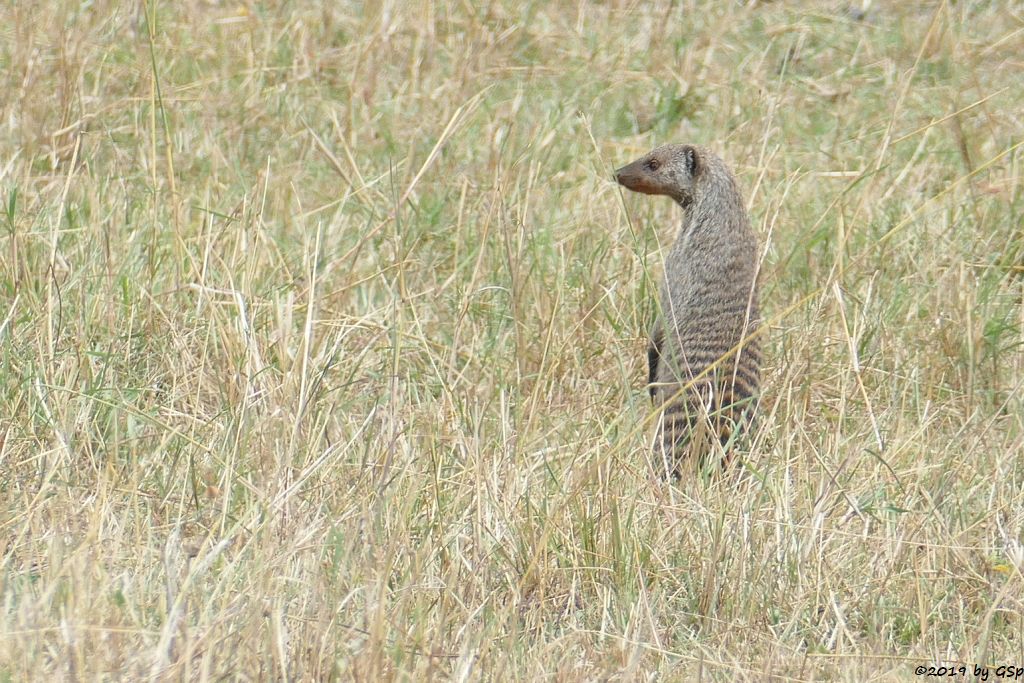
point(631, 178)
point(636, 183)
point(703, 356)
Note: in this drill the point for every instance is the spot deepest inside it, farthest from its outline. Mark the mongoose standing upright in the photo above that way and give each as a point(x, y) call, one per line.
point(703, 362)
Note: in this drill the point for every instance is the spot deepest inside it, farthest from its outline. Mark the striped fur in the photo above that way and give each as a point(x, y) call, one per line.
point(704, 363)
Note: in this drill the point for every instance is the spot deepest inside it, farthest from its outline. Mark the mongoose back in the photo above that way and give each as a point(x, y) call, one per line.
point(703, 362)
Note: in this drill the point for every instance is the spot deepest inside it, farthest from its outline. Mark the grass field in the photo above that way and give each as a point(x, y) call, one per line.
point(323, 334)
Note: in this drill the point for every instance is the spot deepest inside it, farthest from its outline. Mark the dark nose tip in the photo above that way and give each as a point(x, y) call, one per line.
point(616, 175)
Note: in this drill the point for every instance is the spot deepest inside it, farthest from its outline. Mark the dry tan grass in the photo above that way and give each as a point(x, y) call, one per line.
point(322, 341)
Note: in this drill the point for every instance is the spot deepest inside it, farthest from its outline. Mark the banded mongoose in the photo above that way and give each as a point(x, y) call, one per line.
point(703, 362)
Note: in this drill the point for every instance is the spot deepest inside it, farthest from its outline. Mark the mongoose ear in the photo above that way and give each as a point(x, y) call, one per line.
point(693, 161)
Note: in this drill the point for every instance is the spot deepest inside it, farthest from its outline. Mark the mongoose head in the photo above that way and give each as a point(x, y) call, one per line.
point(670, 170)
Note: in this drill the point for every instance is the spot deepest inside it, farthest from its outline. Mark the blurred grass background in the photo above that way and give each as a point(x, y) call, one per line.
point(322, 341)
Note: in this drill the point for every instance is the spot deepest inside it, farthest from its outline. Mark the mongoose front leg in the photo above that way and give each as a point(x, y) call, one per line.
point(654, 356)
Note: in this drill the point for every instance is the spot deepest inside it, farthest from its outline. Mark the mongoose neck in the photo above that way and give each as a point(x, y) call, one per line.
point(716, 205)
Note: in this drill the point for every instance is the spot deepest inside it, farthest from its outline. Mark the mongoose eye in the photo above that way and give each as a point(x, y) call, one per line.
point(653, 164)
